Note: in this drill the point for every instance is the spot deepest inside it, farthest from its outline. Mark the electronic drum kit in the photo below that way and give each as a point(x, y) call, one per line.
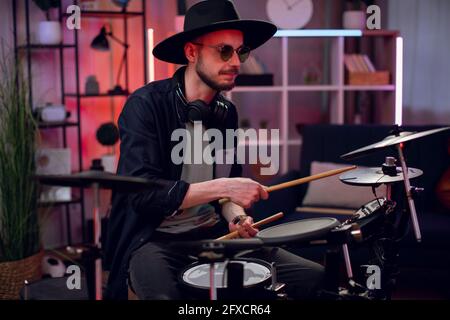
point(218, 272)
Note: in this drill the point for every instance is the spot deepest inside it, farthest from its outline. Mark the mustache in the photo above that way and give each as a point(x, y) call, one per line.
point(233, 71)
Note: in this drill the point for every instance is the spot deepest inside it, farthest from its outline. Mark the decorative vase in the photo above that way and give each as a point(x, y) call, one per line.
point(92, 87)
point(14, 273)
point(49, 32)
point(109, 163)
point(354, 19)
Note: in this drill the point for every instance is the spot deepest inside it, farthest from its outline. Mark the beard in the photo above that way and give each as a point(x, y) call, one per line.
point(211, 82)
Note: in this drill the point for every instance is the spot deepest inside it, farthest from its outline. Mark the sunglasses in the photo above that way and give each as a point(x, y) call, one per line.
point(226, 51)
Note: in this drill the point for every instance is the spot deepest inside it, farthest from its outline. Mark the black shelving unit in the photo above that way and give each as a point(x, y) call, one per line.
point(29, 47)
point(100, 95)
point(59, 124)
point(45, 46)
point(50, 204)
point(112, 14)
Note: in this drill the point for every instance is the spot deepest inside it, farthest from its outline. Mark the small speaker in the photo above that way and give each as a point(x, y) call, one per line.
point(52, 113)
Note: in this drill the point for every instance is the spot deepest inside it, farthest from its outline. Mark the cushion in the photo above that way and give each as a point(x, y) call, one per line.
point(443, 189)
point(331, 192)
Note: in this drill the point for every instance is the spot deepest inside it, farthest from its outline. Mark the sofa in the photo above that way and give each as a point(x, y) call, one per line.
point(325, 144)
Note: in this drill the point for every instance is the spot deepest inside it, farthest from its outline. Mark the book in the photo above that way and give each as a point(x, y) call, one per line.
point(350, 63)
point(358, 63)
point(369, 64)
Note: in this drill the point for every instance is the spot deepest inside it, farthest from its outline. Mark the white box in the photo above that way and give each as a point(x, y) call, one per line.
point(54, 162)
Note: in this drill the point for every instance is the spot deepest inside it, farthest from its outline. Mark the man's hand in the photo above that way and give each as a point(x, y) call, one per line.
point(244, 227)
point(244, 192)
point(241, 191)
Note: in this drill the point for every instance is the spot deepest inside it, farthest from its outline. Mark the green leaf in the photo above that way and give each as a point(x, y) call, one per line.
point(19, 225)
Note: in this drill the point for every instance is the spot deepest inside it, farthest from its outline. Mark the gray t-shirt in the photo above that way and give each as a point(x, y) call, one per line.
point(204, 215)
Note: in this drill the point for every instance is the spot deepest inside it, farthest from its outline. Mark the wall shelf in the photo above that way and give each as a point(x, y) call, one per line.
point(47, 204)
point(288, 88)
point(44, 46)
point(109, 14)
point(389, 87)
point(100, 95)
point(257, 88)
point(339, 96)
point(25, 50)
point(59, 124)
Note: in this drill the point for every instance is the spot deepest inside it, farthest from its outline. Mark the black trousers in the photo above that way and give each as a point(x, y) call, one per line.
point(155, 269)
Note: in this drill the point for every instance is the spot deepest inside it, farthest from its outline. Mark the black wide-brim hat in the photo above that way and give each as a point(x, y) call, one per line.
point(208, 16)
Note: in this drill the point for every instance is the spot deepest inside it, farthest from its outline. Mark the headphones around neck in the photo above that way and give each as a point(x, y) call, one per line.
point(212, 116)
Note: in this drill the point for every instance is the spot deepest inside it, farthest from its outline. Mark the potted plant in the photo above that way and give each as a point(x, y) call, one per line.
point(108, 135)
point(49, 32)
point(354, 16)
point(20, 246)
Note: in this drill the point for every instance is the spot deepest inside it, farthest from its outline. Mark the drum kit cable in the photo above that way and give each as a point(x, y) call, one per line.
point(221, 274)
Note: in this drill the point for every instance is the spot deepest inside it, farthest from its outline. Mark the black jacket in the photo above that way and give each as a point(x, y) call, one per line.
point(146, 123)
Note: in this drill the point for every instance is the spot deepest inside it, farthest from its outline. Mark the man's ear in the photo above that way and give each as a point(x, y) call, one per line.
point(190, 51)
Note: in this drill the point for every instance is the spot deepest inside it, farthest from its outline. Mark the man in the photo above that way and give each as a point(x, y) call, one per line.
point(184, 206)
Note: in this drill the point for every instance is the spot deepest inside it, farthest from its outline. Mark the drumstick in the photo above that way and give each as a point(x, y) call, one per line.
point(297, 182)
point(234, 234)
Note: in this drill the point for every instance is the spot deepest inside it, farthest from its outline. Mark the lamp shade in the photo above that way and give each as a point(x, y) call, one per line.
point(101, 42)
point(121, 3)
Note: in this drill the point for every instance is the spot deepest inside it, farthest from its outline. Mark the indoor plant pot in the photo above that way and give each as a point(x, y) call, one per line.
point(48, 32)
point(20, 246)
point(14, 273)
point(354, 19)
point(108, 135)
